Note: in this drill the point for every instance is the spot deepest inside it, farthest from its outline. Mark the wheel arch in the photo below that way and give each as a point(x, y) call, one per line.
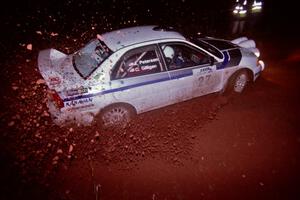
point(127, 105)
point(249, 72)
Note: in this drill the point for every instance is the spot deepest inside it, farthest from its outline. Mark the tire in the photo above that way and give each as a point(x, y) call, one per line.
point(238, 82)
point(117, 116)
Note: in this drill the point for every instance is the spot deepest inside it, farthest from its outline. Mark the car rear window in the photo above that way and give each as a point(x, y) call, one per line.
point(90, 57)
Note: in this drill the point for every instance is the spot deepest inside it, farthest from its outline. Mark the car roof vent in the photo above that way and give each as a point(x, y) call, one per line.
point(163, 28)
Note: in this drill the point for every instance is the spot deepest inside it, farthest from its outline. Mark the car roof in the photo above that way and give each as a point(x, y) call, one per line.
point(118, 39)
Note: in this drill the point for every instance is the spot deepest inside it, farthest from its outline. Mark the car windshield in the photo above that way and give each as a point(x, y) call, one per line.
point(89, 58)
point(211, 49)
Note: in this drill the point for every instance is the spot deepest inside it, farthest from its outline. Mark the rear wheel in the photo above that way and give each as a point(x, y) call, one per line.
point(117, 115)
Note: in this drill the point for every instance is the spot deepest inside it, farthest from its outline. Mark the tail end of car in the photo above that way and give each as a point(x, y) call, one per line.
point(49, 61)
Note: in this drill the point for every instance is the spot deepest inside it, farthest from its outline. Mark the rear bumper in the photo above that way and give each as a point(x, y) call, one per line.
point(64, 116)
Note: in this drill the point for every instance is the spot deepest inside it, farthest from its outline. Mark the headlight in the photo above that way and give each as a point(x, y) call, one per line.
point(261, 64)
point(255, 51)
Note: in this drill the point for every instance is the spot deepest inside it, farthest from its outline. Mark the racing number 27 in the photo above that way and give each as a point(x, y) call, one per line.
point(203, 80)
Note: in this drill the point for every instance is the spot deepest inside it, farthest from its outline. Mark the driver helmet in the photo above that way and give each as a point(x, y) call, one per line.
point(168, 52)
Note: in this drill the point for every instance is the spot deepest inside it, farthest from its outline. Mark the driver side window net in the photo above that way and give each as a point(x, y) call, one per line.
point(181, 56)
point(138, 62)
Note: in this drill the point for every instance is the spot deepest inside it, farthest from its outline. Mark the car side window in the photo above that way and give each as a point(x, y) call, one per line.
point(138, 62)
point(182, 56)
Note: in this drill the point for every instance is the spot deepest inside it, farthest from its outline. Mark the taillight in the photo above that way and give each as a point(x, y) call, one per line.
point(52, 94)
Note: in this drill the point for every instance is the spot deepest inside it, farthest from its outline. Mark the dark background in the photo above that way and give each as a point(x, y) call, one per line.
point(67, 25)
point(70, 19)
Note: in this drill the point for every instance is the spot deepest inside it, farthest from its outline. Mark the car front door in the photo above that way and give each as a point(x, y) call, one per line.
point(192, 71)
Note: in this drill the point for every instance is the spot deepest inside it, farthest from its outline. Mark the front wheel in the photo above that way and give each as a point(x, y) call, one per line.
point(238, 82)
point(117, 115)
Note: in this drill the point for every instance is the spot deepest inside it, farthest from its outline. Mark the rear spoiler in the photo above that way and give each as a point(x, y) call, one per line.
point(49, 61)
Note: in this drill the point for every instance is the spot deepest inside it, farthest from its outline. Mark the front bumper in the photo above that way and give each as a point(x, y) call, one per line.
point(260, 67)
point(261, 64)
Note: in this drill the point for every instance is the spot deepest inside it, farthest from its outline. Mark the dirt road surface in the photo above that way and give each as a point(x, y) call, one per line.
point(215, 147)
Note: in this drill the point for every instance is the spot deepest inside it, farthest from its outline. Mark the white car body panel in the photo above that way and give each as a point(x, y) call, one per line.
point(118, 39)
point(83, 99)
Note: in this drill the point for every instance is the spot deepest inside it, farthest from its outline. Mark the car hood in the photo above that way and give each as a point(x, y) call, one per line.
point(57, 70)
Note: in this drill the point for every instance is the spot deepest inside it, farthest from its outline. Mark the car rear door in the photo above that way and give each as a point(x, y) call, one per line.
point(140, 78)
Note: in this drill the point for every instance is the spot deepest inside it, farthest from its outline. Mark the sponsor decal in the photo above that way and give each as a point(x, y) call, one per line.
point(134, 69)
point(205, 70)
point(143, 62)
point(77, 91)
point(144, 65)
point(77, 102)
point(80, 107)
point(54, 80)
point(148, 67)
point(143, 68)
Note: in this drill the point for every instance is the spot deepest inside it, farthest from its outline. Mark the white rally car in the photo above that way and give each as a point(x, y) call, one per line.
point(130, 71)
